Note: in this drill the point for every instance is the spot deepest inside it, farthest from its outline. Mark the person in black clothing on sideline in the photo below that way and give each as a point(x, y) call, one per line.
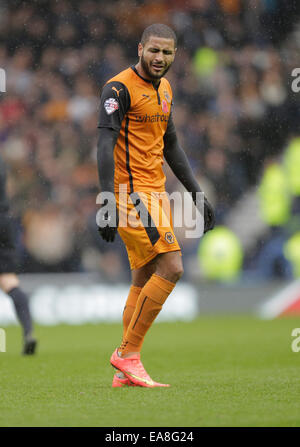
point(9, 281)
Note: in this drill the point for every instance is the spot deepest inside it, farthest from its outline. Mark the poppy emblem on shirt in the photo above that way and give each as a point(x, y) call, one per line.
point(111, 105)
point(164, 106)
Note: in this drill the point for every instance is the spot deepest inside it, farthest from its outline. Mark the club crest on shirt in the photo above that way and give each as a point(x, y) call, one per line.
point(167, 96)
point(164, 106)
point(111, 105)
point(169, 237)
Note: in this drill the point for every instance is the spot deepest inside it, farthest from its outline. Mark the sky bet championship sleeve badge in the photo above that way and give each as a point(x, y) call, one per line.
point(111, 105)
point(167, 96)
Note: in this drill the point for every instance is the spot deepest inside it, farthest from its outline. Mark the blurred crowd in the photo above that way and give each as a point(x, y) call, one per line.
point(234, 109)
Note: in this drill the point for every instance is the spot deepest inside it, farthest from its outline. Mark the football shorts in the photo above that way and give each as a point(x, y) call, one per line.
point(145, 226)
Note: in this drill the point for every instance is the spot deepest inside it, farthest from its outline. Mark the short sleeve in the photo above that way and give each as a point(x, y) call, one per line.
point(114, 104)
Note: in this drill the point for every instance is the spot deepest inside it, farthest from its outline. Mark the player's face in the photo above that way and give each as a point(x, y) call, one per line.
point(156, 56)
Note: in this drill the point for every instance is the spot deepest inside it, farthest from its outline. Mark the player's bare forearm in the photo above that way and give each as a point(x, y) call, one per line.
point(105, 157)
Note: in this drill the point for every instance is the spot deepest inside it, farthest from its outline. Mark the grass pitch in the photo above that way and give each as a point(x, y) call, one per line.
point(223, 371)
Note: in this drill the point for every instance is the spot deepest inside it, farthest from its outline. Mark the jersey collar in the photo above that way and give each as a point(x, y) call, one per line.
point(146, 80)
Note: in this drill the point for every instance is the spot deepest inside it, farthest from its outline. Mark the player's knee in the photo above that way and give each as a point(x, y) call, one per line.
point(173, 274)
point(142, 275)
point(177, 273)
point(176, 269)
point(170, 267)
point(8, 281)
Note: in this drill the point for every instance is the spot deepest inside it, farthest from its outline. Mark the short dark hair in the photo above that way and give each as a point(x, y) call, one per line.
point(158, 30)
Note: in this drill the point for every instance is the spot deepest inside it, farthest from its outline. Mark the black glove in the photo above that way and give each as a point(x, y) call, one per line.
point(108, 221)
point(209, 216)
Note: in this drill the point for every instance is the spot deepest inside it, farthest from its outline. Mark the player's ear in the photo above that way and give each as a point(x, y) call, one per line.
point(140, 49)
